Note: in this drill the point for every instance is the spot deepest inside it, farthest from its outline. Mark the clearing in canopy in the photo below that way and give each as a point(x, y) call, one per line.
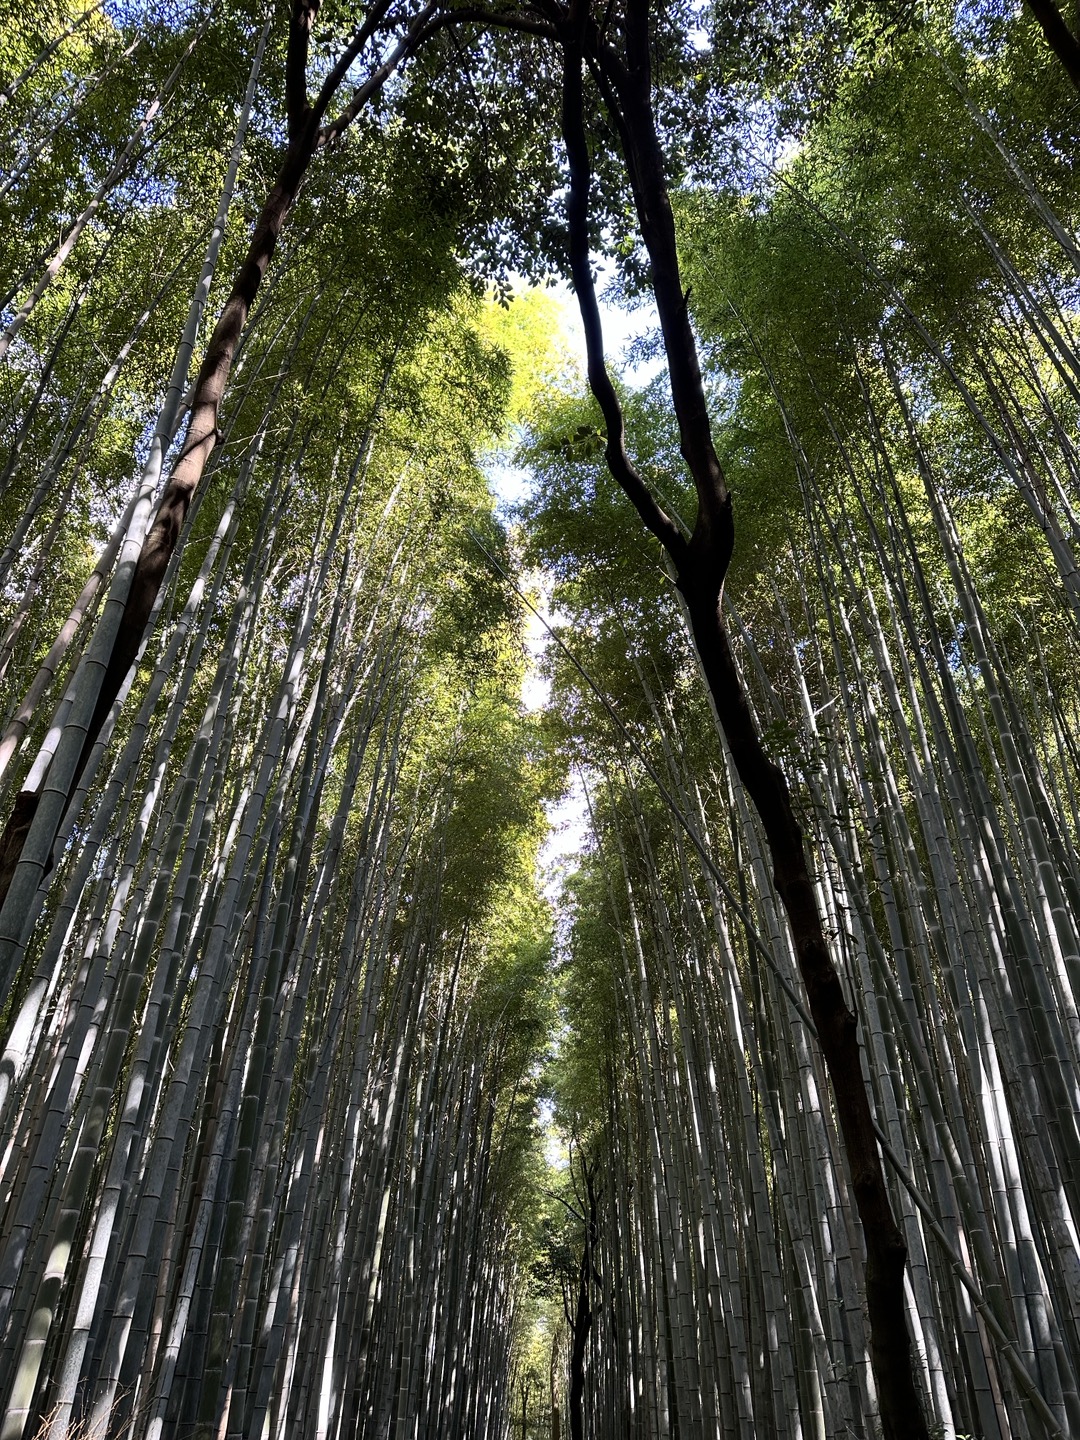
point(539, 873)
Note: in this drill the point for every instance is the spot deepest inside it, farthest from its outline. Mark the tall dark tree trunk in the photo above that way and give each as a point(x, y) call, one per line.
point(306, 135)
point(886, 1252)
point(580, 1327)
point(701, 564)
point(1058, 36)
point(176, 498)
point(202, 434)
point(581, 1321)
point(556, 1418)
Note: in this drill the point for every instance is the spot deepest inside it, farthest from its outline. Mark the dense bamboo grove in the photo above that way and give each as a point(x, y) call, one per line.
point(894, 423)
point(317, 1119)
point(267, 1078)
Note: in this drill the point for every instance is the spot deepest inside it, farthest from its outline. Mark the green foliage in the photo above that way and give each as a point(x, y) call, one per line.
point(875, 206)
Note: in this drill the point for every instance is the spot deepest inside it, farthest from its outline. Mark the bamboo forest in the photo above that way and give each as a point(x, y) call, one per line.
point(539, 720)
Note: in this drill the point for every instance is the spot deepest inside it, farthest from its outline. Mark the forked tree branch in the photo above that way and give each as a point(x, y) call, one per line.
point(626, 89)
point(416, 33)
point(577, 151)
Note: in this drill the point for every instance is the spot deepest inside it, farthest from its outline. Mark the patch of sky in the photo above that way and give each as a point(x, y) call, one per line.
point(138, 13)
point(630, 339)
point(954, 653)
point(698, 18)
point(555, 1150)
point(764, 147)
point(631, 344)
point(981, 25)
point(568, 837)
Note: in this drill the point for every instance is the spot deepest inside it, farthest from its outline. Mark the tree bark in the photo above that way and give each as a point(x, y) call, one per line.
point(1058, 36)
point(582, 1319)
point(305, 138)
point(556, 1431)
point(701, 565)
point(202, 435)
point(836, 1025)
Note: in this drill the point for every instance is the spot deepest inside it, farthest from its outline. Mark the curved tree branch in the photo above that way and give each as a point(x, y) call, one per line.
point(577, 150)
point(330, 85)
point(626, 89)
point(414, 36)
